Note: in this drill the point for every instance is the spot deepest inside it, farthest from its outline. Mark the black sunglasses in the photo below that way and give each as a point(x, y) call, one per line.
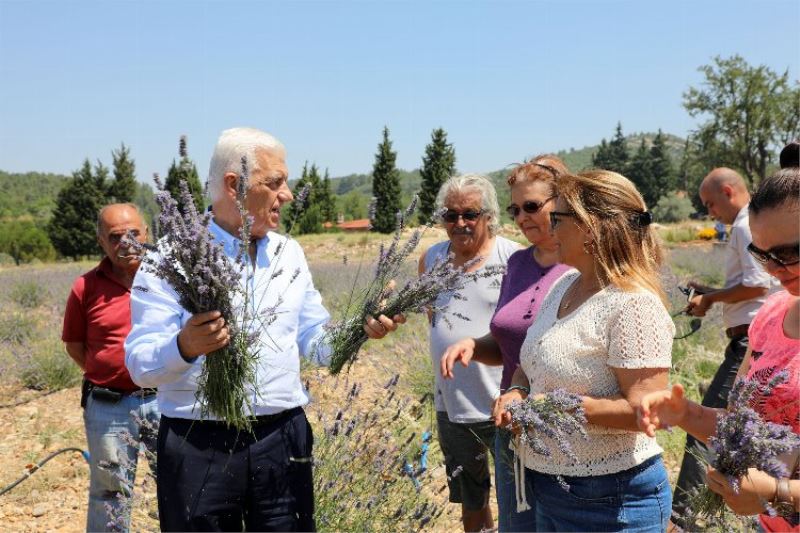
point(530, 206)
point(782, 256)
point(554, 220)
point(451, 217)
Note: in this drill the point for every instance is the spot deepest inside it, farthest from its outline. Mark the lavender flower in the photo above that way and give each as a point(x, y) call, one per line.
point(743, 440)
point(557, 415)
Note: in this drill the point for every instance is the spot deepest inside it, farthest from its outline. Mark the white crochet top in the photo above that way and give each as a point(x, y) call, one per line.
point(577, 353)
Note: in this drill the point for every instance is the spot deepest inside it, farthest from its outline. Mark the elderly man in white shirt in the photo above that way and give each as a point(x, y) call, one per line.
point(725, 195)
point(212, 477)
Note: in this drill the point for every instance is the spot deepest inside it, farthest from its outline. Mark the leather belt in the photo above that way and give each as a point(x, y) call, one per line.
point(737, 331)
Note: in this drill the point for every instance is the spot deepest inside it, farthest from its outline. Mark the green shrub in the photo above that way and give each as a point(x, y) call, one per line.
point(48, 367)
point(28, 294)
point(16, 328)
point(672, 208)
point(677, 234)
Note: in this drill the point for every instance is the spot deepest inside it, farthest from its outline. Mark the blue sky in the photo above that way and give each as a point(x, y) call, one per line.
point(505, 79)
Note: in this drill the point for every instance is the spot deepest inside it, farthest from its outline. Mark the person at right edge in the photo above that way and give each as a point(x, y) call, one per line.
point(725, 196)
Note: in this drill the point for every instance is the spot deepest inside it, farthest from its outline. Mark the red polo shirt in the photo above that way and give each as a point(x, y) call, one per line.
point(98, 314)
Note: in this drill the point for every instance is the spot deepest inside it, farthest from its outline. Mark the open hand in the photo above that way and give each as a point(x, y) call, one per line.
point(203, 334)
point(461, 351)
point(661, 410)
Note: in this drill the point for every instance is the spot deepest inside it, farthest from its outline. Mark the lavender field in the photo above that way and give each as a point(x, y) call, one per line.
point(368, 422)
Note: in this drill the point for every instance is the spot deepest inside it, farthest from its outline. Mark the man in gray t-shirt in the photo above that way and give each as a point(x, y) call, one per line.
point(463, 405)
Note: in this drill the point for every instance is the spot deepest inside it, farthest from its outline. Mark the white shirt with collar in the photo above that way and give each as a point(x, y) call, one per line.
point(151, 349)
point(742, 268)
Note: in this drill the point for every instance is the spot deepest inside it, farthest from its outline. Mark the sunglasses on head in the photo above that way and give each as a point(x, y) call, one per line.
point(530, 206)
point(782, 256)
point(451, 217)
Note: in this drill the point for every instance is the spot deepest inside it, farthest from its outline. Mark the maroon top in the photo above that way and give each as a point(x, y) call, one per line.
point(524, 286)
point(98, 314)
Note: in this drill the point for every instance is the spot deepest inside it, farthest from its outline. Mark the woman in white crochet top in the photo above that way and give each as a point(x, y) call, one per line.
point(604, 333)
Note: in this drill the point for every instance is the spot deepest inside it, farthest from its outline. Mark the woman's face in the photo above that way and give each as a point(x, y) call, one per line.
point(568, 235)
point(528, 196)
point(776, 230)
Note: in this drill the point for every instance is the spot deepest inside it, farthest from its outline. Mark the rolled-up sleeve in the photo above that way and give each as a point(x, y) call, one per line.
point(151, 349)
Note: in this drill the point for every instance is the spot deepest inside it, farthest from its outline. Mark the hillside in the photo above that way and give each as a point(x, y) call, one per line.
point(32, 195)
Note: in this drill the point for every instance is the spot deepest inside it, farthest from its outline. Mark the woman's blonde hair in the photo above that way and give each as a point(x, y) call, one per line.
point(625, 246)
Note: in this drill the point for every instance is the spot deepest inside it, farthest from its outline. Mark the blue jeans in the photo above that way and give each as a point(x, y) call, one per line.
point(507, 516)
point(634, 500)
point(112, 460)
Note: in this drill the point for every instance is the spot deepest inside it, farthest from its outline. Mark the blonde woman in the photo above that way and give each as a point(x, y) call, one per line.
point(603, 333)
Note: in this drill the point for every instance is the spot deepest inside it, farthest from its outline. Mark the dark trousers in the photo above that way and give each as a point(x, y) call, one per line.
point(693, 471)
point(212, 478)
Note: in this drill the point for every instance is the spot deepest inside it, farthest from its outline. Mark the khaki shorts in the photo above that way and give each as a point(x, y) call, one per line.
point(466, 449)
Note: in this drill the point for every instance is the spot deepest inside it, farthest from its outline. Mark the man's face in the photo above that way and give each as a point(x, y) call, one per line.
point(466, 236)
point(267, 193)
point(116, 221)
point(717, 203)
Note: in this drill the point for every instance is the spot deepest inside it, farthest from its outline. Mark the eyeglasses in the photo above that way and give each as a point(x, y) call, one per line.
point(783, 256)
point(554, 220)
point(451, 217)
point(531, 207)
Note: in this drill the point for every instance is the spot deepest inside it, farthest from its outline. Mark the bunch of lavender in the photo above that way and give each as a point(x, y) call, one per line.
point(197, 269)
point(418, 294)
point(744, 440)
point(557, 415)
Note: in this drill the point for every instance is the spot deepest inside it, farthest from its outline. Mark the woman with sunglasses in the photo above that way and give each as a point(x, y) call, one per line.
point(603, 333)
point(774, 346)
point(530, 274)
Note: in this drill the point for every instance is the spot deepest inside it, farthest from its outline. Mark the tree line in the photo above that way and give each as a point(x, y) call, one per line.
point(747, 113)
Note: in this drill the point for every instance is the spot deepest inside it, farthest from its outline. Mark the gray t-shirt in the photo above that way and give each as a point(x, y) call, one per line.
point(468, 396)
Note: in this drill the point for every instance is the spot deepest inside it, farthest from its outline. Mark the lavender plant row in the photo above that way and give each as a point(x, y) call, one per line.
point(744, 440)
point(557, 415)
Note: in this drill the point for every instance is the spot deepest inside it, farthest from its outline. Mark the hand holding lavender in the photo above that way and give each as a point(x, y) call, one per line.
point(743, 440)
point(557, 415)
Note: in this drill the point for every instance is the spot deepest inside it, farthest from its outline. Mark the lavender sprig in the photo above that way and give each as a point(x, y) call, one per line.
point(418, 294)
point(744, 440)
point(557, 415)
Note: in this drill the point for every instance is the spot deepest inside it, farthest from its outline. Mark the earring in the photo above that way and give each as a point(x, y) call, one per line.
point(588, 247)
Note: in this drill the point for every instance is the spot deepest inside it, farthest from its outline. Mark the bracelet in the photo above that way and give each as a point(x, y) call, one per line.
point(782, 492)
point(524, 389)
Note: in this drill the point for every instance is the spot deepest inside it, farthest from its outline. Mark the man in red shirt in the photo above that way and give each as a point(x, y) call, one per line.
point(118, 414)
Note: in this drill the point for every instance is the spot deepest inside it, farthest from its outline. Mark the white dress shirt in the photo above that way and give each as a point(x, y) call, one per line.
point(151, 349)
point(742, 268)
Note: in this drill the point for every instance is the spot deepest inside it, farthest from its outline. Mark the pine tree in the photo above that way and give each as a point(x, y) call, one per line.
point(618, 151)
point(185, 170)
point(438, 164)
point(123, 188)
point(101, 174)
point(72, 228)
point(640, 172)
point(327, 200)
point(602, 158)
point(661, 166)
point(296, 208)
point(385, 186)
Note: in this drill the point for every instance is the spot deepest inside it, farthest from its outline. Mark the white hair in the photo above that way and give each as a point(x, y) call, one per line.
point(473, 182)
point(232, 145)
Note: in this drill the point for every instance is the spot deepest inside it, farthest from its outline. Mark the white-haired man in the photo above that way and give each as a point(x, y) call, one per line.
point(470, 215)
point(212, 477)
